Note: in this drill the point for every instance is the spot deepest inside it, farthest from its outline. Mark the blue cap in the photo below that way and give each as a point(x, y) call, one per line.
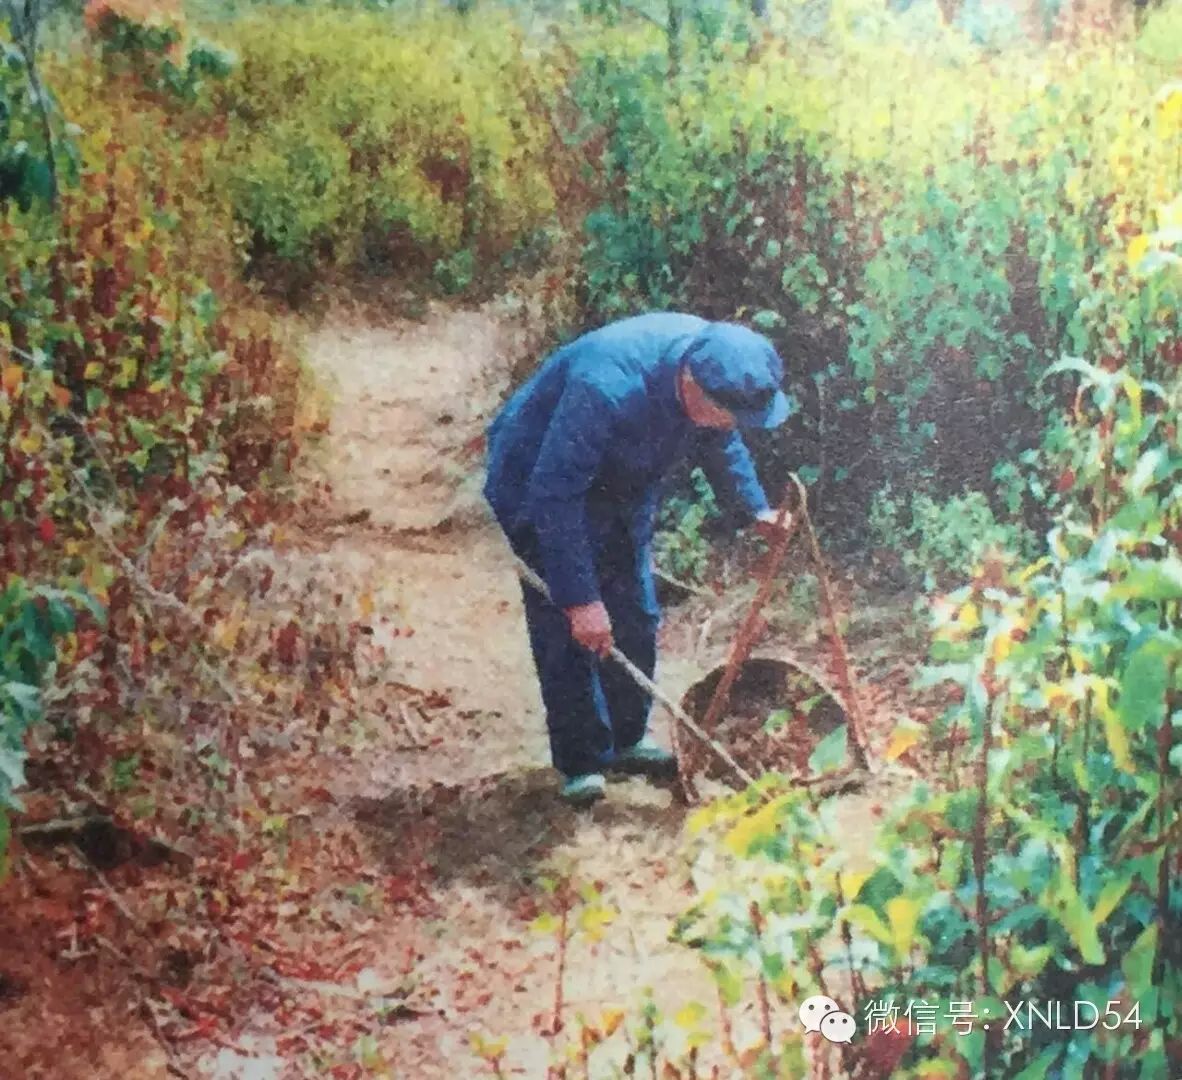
point(741, 371)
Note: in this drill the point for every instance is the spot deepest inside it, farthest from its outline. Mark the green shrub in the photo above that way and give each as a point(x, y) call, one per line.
point(1160, 39)
point(681, 550)
point(924, 252)
point(292, 191)
point(1037, 860)
point(150, 44)
point(455, 273)
point(31, 619)
point(134, 394)
point(356, 140)
point(941, 542)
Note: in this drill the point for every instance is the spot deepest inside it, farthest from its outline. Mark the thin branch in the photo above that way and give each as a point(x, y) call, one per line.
point(117, 900)
point(980, 858)
point(148, 1005)
point(417, 739)
point(62, 825)
point(765, 1006)
point(19, 352)
point(138, 579)
point(689, 587)
point(854, 721)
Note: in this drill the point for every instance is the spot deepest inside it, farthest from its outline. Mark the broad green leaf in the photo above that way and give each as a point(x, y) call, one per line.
point(690, 1017)
point(93, 605)
point(978, 701)
point(1133, 390)
point(143, 433)
point(595, 919)
point(1143, 687)
point(546, 923)
point(1077, 920)
point(25, 697)
point(1154, 1062)
point(1046, 832)
point(902, 739)
point(830, 752)
point(12, 773)
point(866, 918)
point(1151, 579)
point(730, 984)
point(1110, 896)
point(877, 889)
point(1147, 467)
point(756, 827)
point(1137, 964)
point(488, 1049)
point(37, 632)
point(61, 618)
point(903, 915)
point(1157, 261)
point(1027, 963)
point(971, 1046)
point(776, 719)
point(1115, 733)
point(850, 882)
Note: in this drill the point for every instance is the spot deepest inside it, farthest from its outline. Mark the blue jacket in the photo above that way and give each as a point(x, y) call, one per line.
point(590, 435)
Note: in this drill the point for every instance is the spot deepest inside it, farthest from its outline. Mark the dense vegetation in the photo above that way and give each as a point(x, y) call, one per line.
point(146, 397)
point(965, 235)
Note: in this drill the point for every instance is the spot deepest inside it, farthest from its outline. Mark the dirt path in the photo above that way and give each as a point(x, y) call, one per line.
point(450, 807)
point(410, 524)
point(475, 808)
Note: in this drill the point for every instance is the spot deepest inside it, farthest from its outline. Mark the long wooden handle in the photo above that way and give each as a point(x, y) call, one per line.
point(745, 638)
point(749, 630)
point(645, 683)
point(744, 641)
point(853, 709)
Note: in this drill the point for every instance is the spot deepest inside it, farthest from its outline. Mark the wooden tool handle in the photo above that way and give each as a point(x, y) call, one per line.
point(749, 630)
point(534, 581)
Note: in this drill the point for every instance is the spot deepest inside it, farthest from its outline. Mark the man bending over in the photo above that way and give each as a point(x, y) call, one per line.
point(575, 459)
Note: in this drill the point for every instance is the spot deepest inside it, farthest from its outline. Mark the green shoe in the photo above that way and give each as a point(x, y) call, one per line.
point(583, 790)
point(645, 758)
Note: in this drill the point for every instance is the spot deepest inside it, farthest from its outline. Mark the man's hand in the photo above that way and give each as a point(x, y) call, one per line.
point(769, 527)
point(591, 627)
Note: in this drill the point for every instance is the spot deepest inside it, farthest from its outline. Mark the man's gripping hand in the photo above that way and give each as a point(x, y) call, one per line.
point(591, 627)
point(769, 527)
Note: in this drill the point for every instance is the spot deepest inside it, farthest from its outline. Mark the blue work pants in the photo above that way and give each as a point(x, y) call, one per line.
point(593, 707)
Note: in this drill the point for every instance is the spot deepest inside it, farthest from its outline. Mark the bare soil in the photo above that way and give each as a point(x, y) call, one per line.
point(480, 799)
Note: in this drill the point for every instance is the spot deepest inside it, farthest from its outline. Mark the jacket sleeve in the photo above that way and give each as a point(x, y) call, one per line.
point(576, 439)
point(730, 470)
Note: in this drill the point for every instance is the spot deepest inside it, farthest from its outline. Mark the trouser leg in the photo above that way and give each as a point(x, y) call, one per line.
point(576, 713)
point(593, 707)
point(630, 599)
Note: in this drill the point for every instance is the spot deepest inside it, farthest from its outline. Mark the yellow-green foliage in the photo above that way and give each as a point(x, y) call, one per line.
point(897, 97)
point(353, 133)
point(934, 219)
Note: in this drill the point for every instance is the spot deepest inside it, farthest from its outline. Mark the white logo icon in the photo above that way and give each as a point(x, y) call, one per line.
point(815, 1009)
point(838, 1027)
